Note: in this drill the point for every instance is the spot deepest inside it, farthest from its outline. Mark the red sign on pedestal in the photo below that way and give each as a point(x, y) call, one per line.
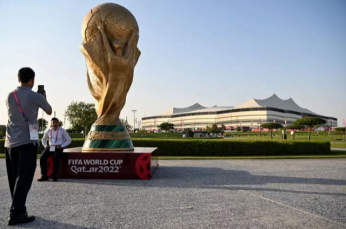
point(138, 164)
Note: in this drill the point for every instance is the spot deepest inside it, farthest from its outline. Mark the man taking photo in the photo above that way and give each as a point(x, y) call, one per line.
point(58, 139)
point(21, 142)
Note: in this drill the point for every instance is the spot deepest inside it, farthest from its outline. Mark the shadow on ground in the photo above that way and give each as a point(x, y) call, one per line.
point(215, 178)
point(44, 223)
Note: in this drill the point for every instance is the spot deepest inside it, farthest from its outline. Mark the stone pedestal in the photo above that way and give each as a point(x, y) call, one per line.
point(138, 164)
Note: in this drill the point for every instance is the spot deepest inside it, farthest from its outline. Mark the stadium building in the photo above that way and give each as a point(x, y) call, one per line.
point(247, 115)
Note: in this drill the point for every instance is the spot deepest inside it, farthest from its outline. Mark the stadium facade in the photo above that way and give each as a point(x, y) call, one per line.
point(247, 115)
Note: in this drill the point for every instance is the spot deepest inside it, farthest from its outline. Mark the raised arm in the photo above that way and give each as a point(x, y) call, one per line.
point(109, 51)
point(43, 103)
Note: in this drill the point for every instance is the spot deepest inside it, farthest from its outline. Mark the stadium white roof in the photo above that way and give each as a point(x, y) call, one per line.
point(273, 101)
point(193, 109)
point(276, 102)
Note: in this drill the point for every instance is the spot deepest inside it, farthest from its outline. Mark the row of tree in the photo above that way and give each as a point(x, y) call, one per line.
point(305, 122)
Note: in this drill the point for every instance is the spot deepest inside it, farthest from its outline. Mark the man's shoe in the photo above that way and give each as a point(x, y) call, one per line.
point(23, 218)
point(55, 178)
point(43, 178)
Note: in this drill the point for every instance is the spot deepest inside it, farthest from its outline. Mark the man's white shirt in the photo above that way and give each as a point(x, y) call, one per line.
point(63, 139)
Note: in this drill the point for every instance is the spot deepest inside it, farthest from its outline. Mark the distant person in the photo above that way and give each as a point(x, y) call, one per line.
point(283, 136)
point(292, 134)
point(22, 141)
point(58, 139)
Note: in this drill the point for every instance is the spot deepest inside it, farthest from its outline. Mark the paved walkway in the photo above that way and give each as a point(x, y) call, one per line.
point(304, 193)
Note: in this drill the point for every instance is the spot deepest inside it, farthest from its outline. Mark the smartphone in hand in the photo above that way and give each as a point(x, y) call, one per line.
point(41, 89)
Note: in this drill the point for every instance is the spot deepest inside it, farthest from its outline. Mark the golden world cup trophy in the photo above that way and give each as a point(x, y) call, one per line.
point(110, 36)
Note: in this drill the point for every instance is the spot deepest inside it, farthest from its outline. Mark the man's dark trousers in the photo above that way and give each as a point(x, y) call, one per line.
point(56, 160)
point(21, 165)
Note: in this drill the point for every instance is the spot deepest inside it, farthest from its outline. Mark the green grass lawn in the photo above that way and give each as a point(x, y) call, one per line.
point(338, 145)
point(247, 135)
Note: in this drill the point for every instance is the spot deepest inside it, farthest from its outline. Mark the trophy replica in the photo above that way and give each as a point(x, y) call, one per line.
point(110, 36)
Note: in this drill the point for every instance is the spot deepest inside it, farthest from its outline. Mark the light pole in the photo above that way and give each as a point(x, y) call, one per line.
point(134, 120)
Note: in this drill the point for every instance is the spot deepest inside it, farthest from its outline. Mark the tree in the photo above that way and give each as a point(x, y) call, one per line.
point(126, 124)
point(142, 131)
point(213, 128)
point(189, 132)
point(340, 129)
point(60, 123)
point(271, 126)
point(78, 128)
point(294, 127)
point(166, 126)
point(309, 122)
point(42, 124)
point(81, 114)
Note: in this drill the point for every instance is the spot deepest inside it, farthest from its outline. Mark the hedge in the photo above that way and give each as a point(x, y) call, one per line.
point(234, 148)
point(198, 147)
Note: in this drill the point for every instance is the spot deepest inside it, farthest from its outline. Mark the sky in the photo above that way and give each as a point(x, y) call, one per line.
point(211, 52)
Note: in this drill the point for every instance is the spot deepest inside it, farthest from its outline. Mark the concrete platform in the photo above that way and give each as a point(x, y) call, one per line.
point(301, 193)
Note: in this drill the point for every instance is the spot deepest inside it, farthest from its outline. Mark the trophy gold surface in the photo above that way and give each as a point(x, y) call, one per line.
point(110, 36)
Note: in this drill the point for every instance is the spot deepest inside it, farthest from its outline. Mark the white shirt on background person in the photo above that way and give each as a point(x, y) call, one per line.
point(63, 138)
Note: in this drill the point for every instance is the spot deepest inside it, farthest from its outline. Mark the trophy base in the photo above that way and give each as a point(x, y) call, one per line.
point(94, 150)
point(107, 138)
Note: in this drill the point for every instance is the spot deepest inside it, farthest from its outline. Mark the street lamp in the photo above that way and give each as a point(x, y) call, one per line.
point(134, 120)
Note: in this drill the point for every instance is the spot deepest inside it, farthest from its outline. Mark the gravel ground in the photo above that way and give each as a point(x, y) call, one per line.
point(304, 193)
